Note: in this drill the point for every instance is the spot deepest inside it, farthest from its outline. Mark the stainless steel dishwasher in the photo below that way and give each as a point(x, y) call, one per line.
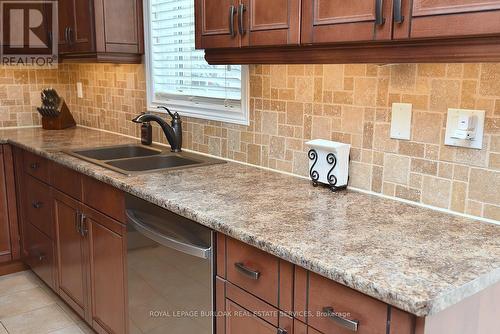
point(170, 271)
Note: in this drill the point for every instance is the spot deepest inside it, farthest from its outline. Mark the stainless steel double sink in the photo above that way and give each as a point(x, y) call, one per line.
point(137, 159)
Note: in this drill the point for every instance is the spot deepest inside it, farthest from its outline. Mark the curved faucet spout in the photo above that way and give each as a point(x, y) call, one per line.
point(173, 133)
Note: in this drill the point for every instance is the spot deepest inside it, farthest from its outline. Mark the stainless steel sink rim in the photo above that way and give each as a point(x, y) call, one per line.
point(201, 159)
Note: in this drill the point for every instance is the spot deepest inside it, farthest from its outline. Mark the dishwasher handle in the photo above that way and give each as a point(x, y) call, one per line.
point(167, 241)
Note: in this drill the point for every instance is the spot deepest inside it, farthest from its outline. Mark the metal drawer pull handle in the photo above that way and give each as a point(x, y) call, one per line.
point(232, 12)
point(398, 12)
point(241, 13)
point(247, 271)
point(282, 331)
point(379, 13)
point(37, 205)
point(34, 165)
point(351, 325)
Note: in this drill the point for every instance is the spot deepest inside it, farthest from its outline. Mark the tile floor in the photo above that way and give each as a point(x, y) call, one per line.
point(28, 306)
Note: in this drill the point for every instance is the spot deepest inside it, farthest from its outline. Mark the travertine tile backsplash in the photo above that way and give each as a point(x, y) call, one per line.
point(292, 104)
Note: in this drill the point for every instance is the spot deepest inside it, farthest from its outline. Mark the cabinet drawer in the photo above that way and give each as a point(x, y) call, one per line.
point(66, 180)
point(40, 254)
point(253, 270)
point(348, 305)
point(36, 166)
point(38, 206)
point(248, 314)
point(104, 198)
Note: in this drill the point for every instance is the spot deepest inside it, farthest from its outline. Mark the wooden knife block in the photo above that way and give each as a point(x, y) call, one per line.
point(63, 121)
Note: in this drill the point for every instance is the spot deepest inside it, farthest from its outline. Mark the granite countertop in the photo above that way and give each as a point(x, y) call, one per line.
point(416, 259)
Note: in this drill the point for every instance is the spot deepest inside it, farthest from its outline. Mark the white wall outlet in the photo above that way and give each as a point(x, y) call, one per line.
point(79, 90)
point(401, 121)
point(465, 128)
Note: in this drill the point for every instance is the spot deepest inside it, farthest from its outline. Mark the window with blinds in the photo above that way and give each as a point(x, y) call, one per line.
point(179, 76)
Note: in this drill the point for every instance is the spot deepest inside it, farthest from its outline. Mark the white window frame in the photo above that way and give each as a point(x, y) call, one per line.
point(197, 108)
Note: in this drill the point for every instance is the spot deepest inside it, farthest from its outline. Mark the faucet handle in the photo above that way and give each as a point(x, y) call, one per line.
point(174, 115)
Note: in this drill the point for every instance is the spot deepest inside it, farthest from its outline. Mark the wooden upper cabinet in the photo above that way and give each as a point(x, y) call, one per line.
point(265, 23)
point(101, 30)
point(118, 26)
point(335, 21)
point(454, 18)
point(216, 25)
point(243, 23)
point(75, 26)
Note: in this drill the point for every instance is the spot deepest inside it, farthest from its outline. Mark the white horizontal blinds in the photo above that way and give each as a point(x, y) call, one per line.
point(178, 70)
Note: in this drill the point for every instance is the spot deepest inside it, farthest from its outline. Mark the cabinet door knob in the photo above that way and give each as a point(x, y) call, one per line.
point(247, 271)
point(37, 205)
point(41, 257)
point(34, 165)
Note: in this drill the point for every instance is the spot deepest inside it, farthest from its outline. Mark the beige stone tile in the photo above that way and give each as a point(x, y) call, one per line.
point(411, 149)
point(424, 166)
point(416, 180)
point(444, 94)
point(254, 154)
point(458, 195)
point(352, 119)
point(32, 299)
point(270, 123)
point(321, 127)
point(445, 170)
point(495, 144)
point(360, 175)
point(377, 178)
point(277, 147)
point(461, 173)
point(333, 77)
point(294, 113)
point(17, 282)
point(432, 70)
point(39, 321)
point(436, 191)
point(474, 208)
point(389, 189)
point(278, 76)
point(304, 90)
point(409, 194)
point(403, 77)
point(396, 169)
point(490, 79)
point(429, 127)
point(484, 185)
point(494, 160)
point(492, 212)
point(382, 140)
point(365, 91)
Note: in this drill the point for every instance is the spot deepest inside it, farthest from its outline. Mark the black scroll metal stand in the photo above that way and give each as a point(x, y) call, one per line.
point(332, 179)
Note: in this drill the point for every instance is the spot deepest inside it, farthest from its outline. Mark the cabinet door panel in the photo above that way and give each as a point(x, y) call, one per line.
point(271, 22)
point(455, 18)
point(40, 255)
point(75, 26)
point(113, 33)
point(107, 268)
point(213, 28)
point(331, 21)
point(70, 253)
point(5, 254)
point(240, 321)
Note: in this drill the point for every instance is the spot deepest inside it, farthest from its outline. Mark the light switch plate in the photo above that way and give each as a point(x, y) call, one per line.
point(401, 121)
point(452, 126)
point(79, 90)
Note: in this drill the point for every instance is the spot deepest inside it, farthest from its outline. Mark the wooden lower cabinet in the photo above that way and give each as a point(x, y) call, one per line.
point(41, 255)
point(242, 321)
point(108, 281)
point(91, 256)
point(72, 253)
